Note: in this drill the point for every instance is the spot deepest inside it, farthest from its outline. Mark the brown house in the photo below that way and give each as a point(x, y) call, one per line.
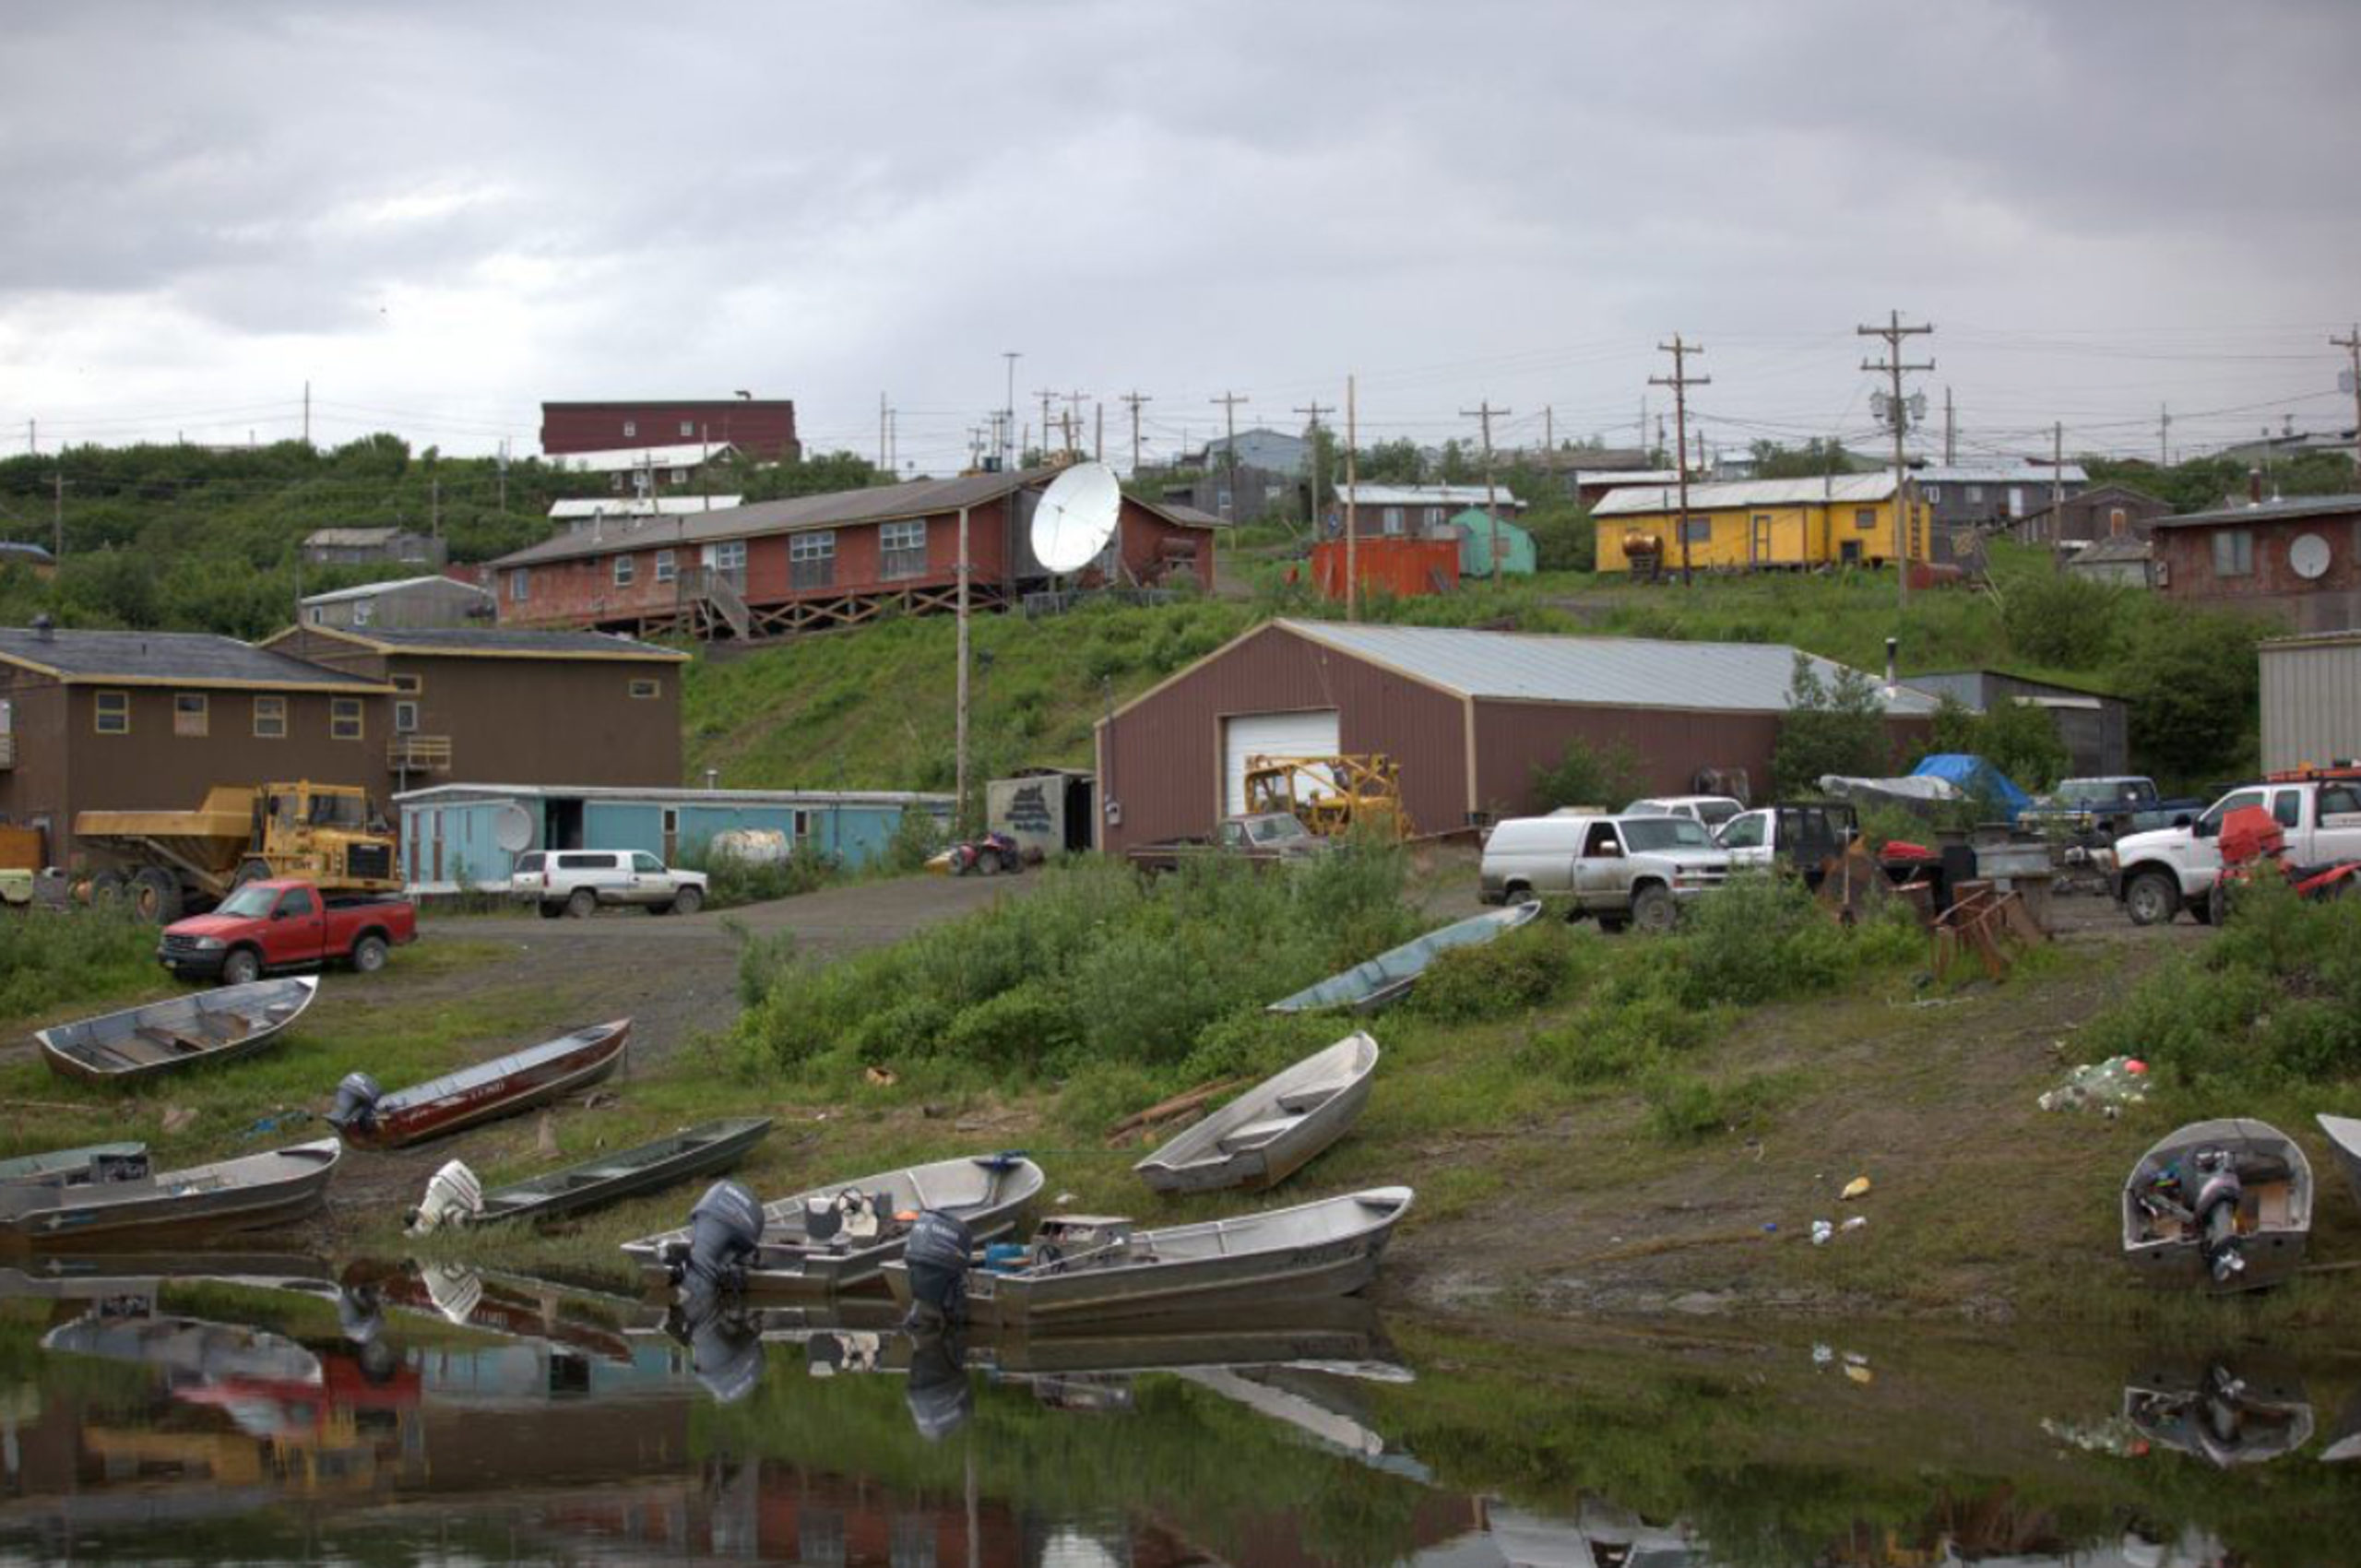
point(2110, 511)
point(1469, 715)
point(494, 705)
point(821, 561)
point(2298, 560)
point(763, 428)
point(151, 721)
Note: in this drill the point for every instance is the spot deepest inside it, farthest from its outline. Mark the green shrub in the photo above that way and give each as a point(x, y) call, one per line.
point(1524, 970)
point(1019, 1028)
point(731, 881)
point(1604, 777)
point(50, 957)
point(1684, 1107)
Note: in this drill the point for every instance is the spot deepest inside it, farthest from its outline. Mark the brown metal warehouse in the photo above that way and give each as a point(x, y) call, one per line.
point(1469, 715)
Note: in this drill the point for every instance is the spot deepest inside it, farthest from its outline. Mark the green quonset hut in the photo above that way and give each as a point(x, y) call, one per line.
point(457, 837)
point(1475, 530)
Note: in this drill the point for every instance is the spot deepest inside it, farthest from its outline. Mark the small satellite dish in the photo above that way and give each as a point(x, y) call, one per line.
point(1076, 516)
point(512, 829)
point(2307, 556)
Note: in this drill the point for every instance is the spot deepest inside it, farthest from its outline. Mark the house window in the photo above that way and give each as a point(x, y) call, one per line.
point(625, 569)
point(732, 557)
point(630, 430)
point(112, 715)
point(902, 549)
point(270, 719)
point(2233, 553)
point(1865, 518)
point(411, 685)
point(1434, 517)
point(812, 559)
point(1933, 493)
point(519, 585)
point(344, 719)
point(615, 482)
point(360, 608)
point(647, 690)
point(679, 476)
point(190, 712)
point(666, 571)
point(1697, 531)
point(1975, 493)
point(405, 718)
point(1394, 519)
point(317, 616)
point(687, 430)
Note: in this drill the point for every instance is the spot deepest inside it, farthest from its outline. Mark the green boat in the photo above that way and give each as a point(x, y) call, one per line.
point(1387, 978)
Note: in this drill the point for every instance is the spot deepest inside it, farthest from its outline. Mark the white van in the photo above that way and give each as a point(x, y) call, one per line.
point(1623, 870)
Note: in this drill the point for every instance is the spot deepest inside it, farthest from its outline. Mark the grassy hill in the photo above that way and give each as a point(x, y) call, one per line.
point(874, 709)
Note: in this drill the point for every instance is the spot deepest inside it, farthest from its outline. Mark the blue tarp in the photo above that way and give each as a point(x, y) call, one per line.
point(1974, 775)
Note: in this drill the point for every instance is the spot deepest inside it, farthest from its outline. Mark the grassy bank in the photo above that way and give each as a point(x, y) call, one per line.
point(52, 960)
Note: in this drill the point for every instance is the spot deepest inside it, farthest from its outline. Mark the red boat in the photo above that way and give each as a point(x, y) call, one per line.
point(370, 1117)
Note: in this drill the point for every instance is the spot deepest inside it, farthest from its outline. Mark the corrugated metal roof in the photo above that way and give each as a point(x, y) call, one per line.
point(1837, 490)
point(514, 641)
point(886, 503)
point(1617, 478)
point(1606, 671)
point(623, 459)
point(640, 506)
point(2268, 512)
point(1998, 473)
point(1423, 495)
point(371, 591)
point(190, 658)
point(445, 794)
point(353, 538)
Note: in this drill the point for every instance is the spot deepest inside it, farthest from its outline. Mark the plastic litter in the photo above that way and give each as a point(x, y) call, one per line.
point(268, 1124)
point(1770, 1225)
point(1856, 1187)
point(1855, 1223)
point(1820, 1232)
point(2106, 1087)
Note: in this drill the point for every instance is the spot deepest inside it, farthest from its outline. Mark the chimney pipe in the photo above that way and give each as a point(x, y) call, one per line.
point(44, 629)
point(2254, 487)
point(1893, 647)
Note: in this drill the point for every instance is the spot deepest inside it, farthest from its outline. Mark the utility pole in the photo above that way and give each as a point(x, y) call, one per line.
point(2351, 344)
point(1229, 401)
point(2056, 477)
point(1549, 432)
point(1074, 422)
point(434, 506)
point(1134, 399)
point(1893, 332)
point(1008, 411)
point(1311, 464)
point(2164, 435)
point(1681, 381)
point(1047, 397)
point(307, 413)
point(57, 515)
point(503, 472)
point(1352, 519)
point(1485, 412)
point(959, 746)
point(1951, 430)
point(1098, 433)
point(883, 462)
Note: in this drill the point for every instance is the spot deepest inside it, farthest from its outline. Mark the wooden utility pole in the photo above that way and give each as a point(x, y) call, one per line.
point(1681, 381)
point(1893, 332)
point(1134, 399)
point(959, 741)
point(882, 460)
point(1312, 467)
point(1046, 397)
point(2351, 344)
point(1549, 432)
point(1951, 430)
point(1485, 412)
point(1352, 519)
point(307, 413)
point(1074, 422)
point(57, 516)
point(2057, 478)
point(1098, 433)
point(2164, 435)
point(1229, 401)
point(1008, 414)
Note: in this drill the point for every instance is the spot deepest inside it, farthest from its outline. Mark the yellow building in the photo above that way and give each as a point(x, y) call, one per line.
point(1846, 520)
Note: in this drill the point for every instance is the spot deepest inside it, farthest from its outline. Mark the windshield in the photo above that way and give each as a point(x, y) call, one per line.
point(250, 902)
point(2101, 791)
point(339, 811)
point(1646, 808)
point(1646, 832)
point(1715, 813)
point(1277, 829)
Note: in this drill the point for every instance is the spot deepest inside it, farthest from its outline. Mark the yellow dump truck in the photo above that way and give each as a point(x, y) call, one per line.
point(171, 863)
point(1330, 795)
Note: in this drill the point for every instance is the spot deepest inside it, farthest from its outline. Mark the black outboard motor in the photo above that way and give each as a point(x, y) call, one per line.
point(937, 1391)
point(727, 1353)
point(356, 1102)
point(724, 1229)
point(937, 1256)
point(2215, 1205)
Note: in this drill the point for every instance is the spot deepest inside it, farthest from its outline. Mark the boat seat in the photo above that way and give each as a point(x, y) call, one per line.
point(168, 1038)
point(219, 1027)
point(1312, 1096)
point(970, 1188)
point(1255, 1135)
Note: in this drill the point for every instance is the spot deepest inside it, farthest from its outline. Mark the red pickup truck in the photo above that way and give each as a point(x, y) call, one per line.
point(284, 924)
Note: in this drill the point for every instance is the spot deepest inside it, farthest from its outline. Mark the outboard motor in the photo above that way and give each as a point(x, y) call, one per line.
point(725, 1352)
point(724, 1229)
point(937, 1392)
point(454, 1198)
point(2215, 1205)
point(356, 1102)
point(937, 1256)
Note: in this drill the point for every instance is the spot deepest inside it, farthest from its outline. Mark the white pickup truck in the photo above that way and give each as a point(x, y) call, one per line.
point(2157, 874)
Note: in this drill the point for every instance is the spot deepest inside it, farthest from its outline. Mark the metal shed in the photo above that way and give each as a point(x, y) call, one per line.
point(457, 836)
point(2311, 700)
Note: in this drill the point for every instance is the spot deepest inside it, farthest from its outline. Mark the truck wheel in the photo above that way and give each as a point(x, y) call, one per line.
point(243, 967)
point(2151, 898)
point(987, 862)
point(155, 895)
point(1011, 862)
point(687, 901)
point(2216, 905)
point(581, 903)
point(1653, 910)
point(369, 954)
point(106, 890)
point(254, 869)
point(549, 911)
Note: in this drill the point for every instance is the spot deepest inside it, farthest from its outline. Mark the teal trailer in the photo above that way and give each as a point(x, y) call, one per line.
point(1474, 529)
point(461, 836)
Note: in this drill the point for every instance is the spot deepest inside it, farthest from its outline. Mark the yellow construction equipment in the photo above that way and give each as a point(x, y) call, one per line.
point(169, 864)
point(1331, 795)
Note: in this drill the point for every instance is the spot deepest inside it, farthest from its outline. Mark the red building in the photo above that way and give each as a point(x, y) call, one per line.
point(814, 563)
point(762, 428)
point(2299, 559)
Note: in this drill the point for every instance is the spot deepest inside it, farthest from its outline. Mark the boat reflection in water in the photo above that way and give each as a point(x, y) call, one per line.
point(2225, 1409)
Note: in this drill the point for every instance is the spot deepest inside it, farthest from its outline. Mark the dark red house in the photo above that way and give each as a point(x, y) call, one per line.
point(2299, 559)
point(814, 563)
point(763, 428)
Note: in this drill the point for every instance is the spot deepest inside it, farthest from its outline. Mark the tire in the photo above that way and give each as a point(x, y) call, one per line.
point(106, 890)
point(253, 869)
point(1012, 863)
point(2214, 907)
point(987, 862)
point(155, 895)
point(1612, 924)
point(243, 967)
point(1653, 910)
point(581, 904)
point(548, 910)
point(369, 954)
point(687, 901)
point(2152, 897)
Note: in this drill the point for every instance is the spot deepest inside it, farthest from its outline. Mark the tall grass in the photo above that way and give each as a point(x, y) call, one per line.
point(49, 959)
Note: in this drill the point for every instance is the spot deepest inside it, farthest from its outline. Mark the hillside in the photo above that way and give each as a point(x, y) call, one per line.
point(873, 709)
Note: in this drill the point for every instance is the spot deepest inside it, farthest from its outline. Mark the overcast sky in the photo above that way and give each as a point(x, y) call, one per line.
point(441, 214)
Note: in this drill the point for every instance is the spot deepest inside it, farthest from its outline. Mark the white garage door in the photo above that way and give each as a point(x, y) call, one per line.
point(1270, 734)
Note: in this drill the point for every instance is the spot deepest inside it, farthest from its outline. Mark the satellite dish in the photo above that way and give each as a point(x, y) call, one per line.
point(512, 829)
point(2307, 556)
point(1076, 516)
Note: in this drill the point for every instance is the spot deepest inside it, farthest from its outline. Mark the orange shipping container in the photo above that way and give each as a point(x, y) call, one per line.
point(1403, 567)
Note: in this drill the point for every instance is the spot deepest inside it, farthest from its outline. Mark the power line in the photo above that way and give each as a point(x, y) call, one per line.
point(1898, 413)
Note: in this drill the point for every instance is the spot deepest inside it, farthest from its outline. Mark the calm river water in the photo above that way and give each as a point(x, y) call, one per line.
point(398, 1416)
